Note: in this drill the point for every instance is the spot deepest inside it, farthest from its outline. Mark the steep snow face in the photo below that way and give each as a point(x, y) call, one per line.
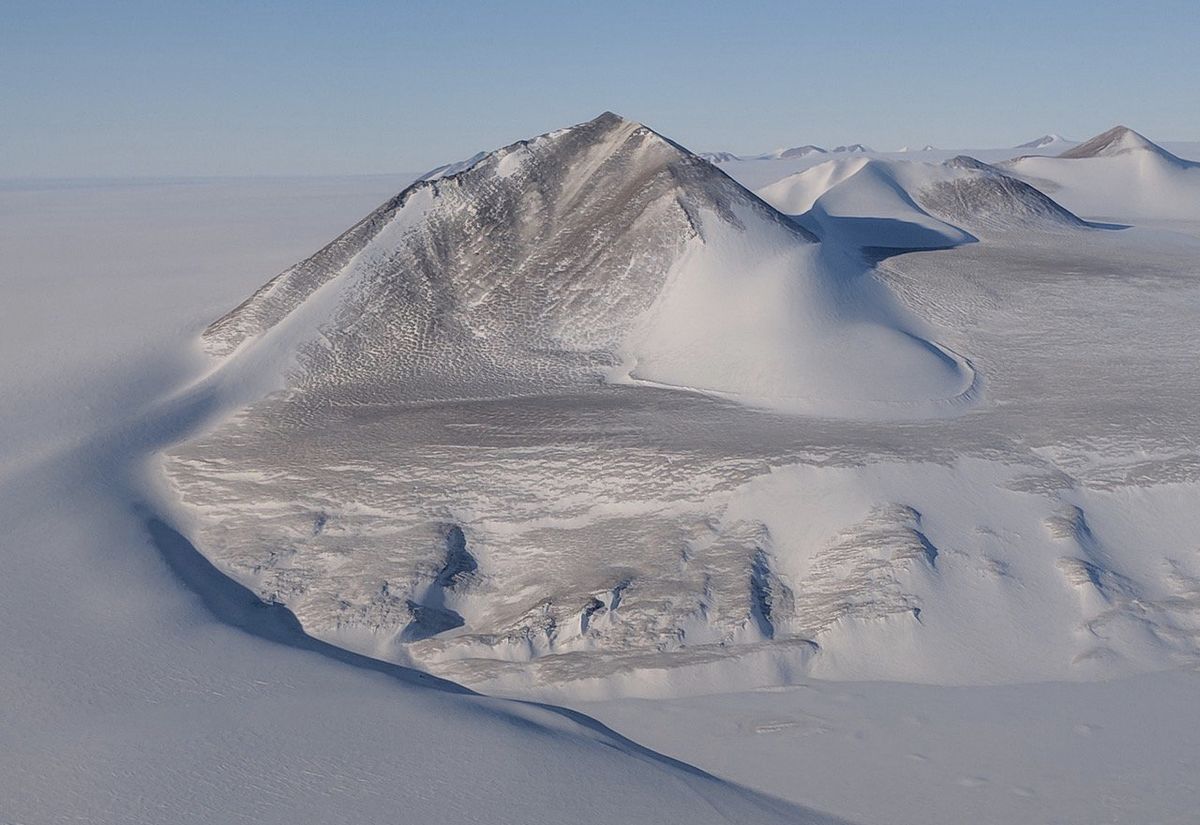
point(906, 205)
point(600, 250)
point(1118, 175)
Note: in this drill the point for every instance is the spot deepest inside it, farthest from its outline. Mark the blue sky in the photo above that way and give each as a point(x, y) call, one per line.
point(236, 88)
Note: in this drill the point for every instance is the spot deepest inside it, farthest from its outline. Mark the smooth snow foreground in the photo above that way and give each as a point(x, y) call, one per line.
point(585, 417)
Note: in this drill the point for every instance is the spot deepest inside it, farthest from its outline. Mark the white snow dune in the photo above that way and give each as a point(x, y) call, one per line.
point(142, 686)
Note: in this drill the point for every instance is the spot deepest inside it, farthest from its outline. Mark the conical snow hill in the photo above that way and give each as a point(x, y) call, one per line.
point(1119, 140)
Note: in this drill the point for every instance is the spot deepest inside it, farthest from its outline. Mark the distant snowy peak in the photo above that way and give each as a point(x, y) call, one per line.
point(718, 157)
point(802, 151)
point(793, 152)
point(1043, 142)
point(811, 149)
point(1119, 140)
point(1119, 175)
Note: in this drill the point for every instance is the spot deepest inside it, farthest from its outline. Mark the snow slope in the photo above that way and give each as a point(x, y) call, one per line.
point(1118, 175)
point(141, 685)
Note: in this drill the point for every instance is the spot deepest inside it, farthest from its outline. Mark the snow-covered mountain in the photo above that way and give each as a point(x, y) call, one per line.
point(801, 151)
point(1044, 142)
point(600, 250)
point(789, 153)
point(909, 205)
point(599, 253)
point(1118, 175)
point(852, 148)
point(587, 412)
point(1120, 140)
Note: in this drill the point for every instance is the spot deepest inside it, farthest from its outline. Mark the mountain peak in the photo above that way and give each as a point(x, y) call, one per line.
point(553, 195)
point(801, 151)
point(609, 118)
point(604, 124)
point(1118, 140)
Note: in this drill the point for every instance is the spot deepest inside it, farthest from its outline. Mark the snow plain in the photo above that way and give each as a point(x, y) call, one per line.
point(1047, 535)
